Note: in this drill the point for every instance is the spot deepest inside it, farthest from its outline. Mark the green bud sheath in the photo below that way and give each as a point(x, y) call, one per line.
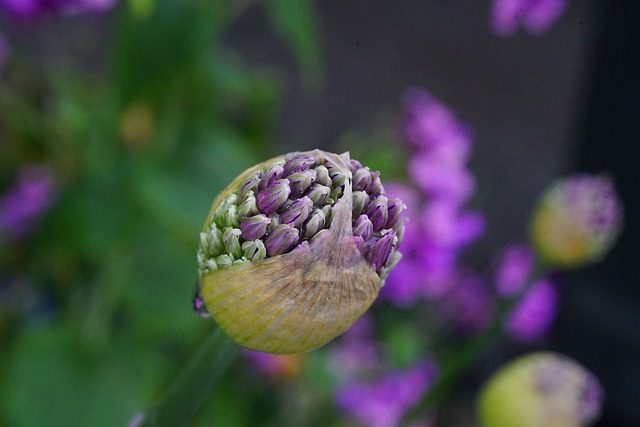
point(300, 300)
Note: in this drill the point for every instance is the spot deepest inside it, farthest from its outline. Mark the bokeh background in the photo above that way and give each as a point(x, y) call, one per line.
point(143, 125)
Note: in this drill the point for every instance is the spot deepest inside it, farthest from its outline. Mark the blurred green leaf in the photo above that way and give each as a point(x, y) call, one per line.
point(297, 24)
point(51, 381)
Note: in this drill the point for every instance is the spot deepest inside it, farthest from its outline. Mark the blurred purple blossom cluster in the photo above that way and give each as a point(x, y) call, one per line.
point(369, 390)
point(535, 16)
point(439, 225)
point(30, 9)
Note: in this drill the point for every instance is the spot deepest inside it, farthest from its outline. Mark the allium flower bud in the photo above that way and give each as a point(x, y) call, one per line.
point(577, 221)
point(284, 264)
point(540, 390)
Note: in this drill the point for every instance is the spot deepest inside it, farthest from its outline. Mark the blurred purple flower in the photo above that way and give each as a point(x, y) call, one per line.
point(355, 353)
point(383, 402)
point(29, 9)
point(536, 16)
point(469, 305)
point(24, 204)
point(531, 318)
point(514, 267)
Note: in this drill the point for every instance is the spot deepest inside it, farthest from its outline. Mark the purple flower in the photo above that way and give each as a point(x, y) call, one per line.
point(23, 205)
point(514, 267)
point(384, 401)
point(355, 353)
point(536, 16)
point(30, 9)
point(532, 316)
point(468, 305)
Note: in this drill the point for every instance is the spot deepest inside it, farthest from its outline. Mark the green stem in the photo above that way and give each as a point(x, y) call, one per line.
point(194, 382)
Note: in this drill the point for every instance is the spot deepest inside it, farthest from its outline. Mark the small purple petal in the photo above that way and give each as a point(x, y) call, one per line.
point(377, 211)
point(360, 200)
point(319, 194)
point(354, 165)
point(254, 227)
point(298, 163)
point(272, 198)
point(363, 227)
point(362, 179)
point(375, 188)
point(315, 223)
point(395, 208)
point(300, 181)
point(322, 176)
point(298, 212)
point(281, 240)
point(270, 176)
point(379, 253)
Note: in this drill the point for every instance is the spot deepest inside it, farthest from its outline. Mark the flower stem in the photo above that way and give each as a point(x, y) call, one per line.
point(194, 382)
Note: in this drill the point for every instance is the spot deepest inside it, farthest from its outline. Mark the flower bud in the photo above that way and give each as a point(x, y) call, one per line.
point(319, 194)
point(254, 227)
point(281, 240)
point(232, 242)
point(298, 212)
point(249, 206)
point(274, 196)
point(577, 221)
point(294, 266)
point(378, 213)
point(539, 390)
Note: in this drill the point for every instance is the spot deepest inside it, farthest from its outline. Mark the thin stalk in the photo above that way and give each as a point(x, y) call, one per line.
point(188, 391)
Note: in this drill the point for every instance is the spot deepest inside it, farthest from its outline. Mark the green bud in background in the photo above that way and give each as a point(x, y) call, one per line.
point(577, 221)
point(540, 389)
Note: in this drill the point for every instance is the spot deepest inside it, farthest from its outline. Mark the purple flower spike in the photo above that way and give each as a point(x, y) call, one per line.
point(533, 315)
point(298, 212)
point(281, 240)
point(377, 212)
point(274, 196)
point(254, 227)
point(513, 269)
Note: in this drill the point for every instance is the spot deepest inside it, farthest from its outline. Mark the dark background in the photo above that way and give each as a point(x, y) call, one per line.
point(540, 106)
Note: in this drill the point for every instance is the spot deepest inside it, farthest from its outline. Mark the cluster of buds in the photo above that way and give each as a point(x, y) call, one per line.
point(304, 218)
point(290, 202)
